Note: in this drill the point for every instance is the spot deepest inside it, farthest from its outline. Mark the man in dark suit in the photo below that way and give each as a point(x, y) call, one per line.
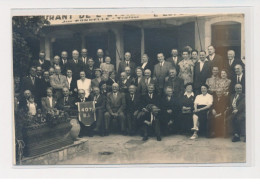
point(39, 72)
point(239, 78)
point(126, 62)
point(152, 118)
point(23, 101)
point(176, 83)
point(43, 84)
point(75, 64)
point(170, 112)
point(45, 64)
point(230, 64)
point(115, 106)
point(72, 82)
point(214, 58)
point(64, 62)
point(124, 83)
point(29, 82)
point(146, 64)
point(132, 109)
point(66, 102)
point(90, 69)
point(175, 59)
point(100, 103)
point(237, 113)
point(161, 71)
point(100, 58)
point(84, 56)
point(145, 81)
point(150, 97)
point(202, 71)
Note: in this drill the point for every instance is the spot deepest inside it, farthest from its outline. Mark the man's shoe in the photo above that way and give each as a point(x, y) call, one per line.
point(235, 139)
point(159, 138)
point(145, 138)
point(194, 136)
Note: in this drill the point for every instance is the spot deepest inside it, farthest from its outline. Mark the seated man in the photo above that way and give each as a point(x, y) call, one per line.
point(152, 118)
point(132, 109)
point(145, 81)
point(115, 106)
point(100, 102)
point(216, 125)
point(49, 103)
point(23, 101)
point(66, 102)
point(237, 111)
point(175, 82)
point(170, 111)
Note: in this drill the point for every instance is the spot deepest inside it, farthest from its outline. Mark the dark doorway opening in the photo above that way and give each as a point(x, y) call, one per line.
point(226, 36)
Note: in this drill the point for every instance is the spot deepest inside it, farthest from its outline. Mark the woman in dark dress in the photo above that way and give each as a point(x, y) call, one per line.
point(187, 105)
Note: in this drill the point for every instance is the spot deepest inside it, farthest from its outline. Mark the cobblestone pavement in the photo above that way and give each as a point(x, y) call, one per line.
point(118, 149)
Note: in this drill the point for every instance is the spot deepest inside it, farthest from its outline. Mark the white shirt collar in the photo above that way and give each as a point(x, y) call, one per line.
point(192, 94)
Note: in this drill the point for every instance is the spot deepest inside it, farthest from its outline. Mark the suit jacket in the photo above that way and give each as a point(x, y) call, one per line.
point(95, 83)
point(41, 87)
point(149, 66)
point(62, 105)
point(90, 73)
point(122, 65)
point(176, 83)
point(240, 105)
point(231, 69)
point(45, 66)
point(75, 67)
point(97, 62)
point(117, 104)
point(27, 84)
point(100, 103)
point(217, 61)
point(176, 65)
point(145, 100)
point(123, 87)
point(73, 85)
point(220, 104)
point(143, 87)
point(173, 104)
point(234, 82)
point(58, 82)
point(161, 72)
point(46, 104)
point(64, 67)
point(200, 77)
point(132, 105)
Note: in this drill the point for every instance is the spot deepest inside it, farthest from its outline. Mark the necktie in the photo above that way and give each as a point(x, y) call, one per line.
point(230, 62)
point(151, 96)
point(82, 100)
point(59, 77)
point(152, 117)
point(238, 79)
point(33, 80)
point(132, 97)
point(114, 94)
point(169, 98)
point(127, 63)
point(65, 100)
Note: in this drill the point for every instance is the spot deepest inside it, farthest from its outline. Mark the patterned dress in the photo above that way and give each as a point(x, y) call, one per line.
point(224, 84)
point(186, 71)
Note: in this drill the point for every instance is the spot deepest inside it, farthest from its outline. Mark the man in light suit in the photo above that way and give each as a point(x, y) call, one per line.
point(127, 62)
point(49, 103)
point(175, 59)
point(58, 81)
point(161, 71)
point(115, 106)
point(202, 71)
point(230, 64)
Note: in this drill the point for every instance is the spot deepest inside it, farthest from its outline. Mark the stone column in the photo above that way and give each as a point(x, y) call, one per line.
point(47, 48)
point(119, 45)
point(142, 43)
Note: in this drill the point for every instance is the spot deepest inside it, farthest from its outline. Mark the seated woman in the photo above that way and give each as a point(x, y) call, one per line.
point(84, 83)
point(107, 67)
point(187, 105)
point(220, 104)
point(224, 82)
point(202, 104)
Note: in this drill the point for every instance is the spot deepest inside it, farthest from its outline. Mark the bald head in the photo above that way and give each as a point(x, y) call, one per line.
point(75, 54)
point(115, 87)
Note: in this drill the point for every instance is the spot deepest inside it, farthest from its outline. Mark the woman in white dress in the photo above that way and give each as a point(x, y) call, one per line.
point(84, 83)
point(202, 104)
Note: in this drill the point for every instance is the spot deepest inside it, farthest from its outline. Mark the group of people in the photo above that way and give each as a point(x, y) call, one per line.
point(188, 93)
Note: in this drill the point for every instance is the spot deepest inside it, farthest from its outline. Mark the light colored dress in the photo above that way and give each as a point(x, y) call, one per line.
point(86, 85)
point(186, 71)
point(224, 84)
point(107, 68)
point(213, 83)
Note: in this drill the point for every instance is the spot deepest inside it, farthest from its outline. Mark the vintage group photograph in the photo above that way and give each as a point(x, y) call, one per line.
point(123, 89)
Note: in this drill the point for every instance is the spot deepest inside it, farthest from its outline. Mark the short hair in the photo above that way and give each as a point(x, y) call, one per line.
point(49, 88)
point(224, 70)
point(132, 86)
point(65, 88)
point(160, 53)
point(69, 70)
point(140, 69)
point(187, 84)
point(90, 58)
point(238, 84)
point(212, 46)
point(185, 50)
point(169, 87)
point(239, 65)
point(231, 51)
point(194, 50)
point(204, 85)
point(115, 84)
point(81, 90)
point(75, 51)
point(151, 85)
point(203, 51)
point(145, 55)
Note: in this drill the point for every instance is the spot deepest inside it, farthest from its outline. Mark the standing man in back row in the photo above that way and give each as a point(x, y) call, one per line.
point(214, 58)
point(125, 63)
point(161, 71)
point(175, 59)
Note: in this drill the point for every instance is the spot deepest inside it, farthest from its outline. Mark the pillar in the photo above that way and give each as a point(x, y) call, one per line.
point(83, 41)
point(142, 43)
point(47, 48)
point(119, 45)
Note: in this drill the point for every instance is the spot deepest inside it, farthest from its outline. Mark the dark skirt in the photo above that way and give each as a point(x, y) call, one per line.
point(203, 120)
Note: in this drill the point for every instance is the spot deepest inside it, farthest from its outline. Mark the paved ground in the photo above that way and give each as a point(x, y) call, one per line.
point(117, 149)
